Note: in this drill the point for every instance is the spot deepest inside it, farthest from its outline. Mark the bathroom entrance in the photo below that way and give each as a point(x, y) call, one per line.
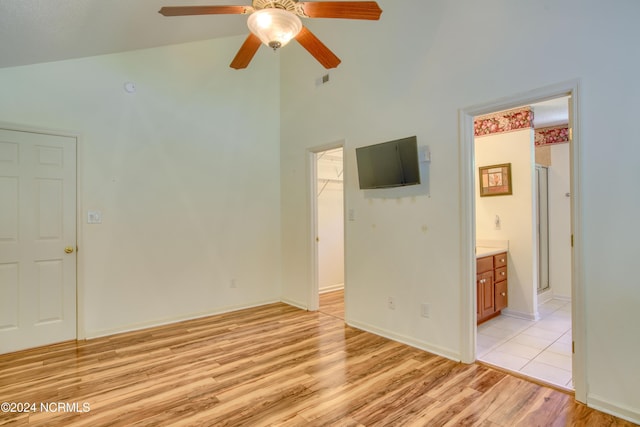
point(572, 310)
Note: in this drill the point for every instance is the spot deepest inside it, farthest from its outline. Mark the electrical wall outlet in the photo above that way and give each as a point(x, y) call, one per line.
point(391, 303)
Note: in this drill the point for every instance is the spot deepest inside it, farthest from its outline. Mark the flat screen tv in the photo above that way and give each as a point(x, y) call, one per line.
point(389, 164)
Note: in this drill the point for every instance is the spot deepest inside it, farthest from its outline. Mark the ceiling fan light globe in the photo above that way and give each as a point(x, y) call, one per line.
point(274, 27)
point(264, 20)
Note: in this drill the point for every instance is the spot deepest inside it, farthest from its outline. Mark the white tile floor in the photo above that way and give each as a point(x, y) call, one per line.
point(539, 349)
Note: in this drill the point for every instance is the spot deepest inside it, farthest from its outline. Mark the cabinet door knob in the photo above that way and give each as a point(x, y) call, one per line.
point(502, 260)
point(504, 294)
point(503, 273)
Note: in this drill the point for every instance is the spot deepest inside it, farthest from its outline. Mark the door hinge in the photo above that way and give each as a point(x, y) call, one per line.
point(572, 240)
point(570, 134)
point(573, 347)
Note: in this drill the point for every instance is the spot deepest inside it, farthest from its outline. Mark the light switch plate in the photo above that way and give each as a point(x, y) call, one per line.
point(94, 217)
point(424, 153)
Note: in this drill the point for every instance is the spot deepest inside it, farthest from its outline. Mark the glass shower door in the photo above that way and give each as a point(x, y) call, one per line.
point(542, 219)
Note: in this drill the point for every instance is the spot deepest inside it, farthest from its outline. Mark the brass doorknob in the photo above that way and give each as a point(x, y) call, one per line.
point(68, 250)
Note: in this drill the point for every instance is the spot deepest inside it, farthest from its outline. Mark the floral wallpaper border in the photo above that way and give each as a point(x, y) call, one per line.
point(504, 121)
point(552, 135)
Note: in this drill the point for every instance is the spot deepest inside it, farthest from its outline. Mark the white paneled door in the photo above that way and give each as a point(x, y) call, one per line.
point(37, 239)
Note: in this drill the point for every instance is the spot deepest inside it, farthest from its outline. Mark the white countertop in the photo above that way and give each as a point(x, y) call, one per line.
point(482, 251)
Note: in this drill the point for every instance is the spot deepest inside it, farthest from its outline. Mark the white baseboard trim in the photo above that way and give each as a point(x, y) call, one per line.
point(296, 304)
point(176, 319)
point(332, 288)
point(440, 351)
point(521, 315)
point(548, 295)
point(562, 298)
point(602, 404)
point(545, 296)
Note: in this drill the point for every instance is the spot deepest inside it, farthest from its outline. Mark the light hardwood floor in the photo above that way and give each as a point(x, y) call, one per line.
point(332, 303)
point(271, 366)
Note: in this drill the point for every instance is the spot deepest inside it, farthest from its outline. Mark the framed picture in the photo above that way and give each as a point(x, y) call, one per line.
point(495, 180)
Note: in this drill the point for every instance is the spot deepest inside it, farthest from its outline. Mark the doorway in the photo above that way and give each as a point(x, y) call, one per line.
point(468, 227)
point(37, 239)
point(533, 334)
point(328, 218)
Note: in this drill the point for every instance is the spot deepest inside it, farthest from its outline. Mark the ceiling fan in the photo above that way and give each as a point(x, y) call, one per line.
point(276, 22)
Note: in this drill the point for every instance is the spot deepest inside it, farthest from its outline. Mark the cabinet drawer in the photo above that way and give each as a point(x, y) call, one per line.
point(500, 260)
point(501, 295)
point(484, 264)
point(501, 274)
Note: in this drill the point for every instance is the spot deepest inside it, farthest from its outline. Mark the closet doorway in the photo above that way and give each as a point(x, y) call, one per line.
point(327, 176)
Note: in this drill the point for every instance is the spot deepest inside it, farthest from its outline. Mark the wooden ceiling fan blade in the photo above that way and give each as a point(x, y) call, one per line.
point(342, 9)
point(317, 49)
point(202, 10)
point(246, 52)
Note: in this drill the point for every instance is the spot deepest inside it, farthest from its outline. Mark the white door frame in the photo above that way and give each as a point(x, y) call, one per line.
point(80, 331)
point(313, 302)
point(467, 221)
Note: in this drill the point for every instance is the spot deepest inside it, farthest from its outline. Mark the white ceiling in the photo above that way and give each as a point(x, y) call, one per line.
point(551, 113)
point(33, 31)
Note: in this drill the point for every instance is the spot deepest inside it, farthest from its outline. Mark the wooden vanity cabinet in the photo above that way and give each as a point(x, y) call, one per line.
point(486, 295)
point(491, 286)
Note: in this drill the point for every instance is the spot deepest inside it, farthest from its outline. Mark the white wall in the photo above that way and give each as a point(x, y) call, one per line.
point(410, 74)
point(331, 233)
point(560, 221)
point(188, 190)
point(516, 212)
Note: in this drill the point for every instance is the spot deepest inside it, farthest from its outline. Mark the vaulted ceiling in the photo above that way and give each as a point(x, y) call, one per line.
point(34, 31)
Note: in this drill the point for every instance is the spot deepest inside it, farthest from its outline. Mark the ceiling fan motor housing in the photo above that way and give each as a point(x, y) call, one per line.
point(288, 5)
